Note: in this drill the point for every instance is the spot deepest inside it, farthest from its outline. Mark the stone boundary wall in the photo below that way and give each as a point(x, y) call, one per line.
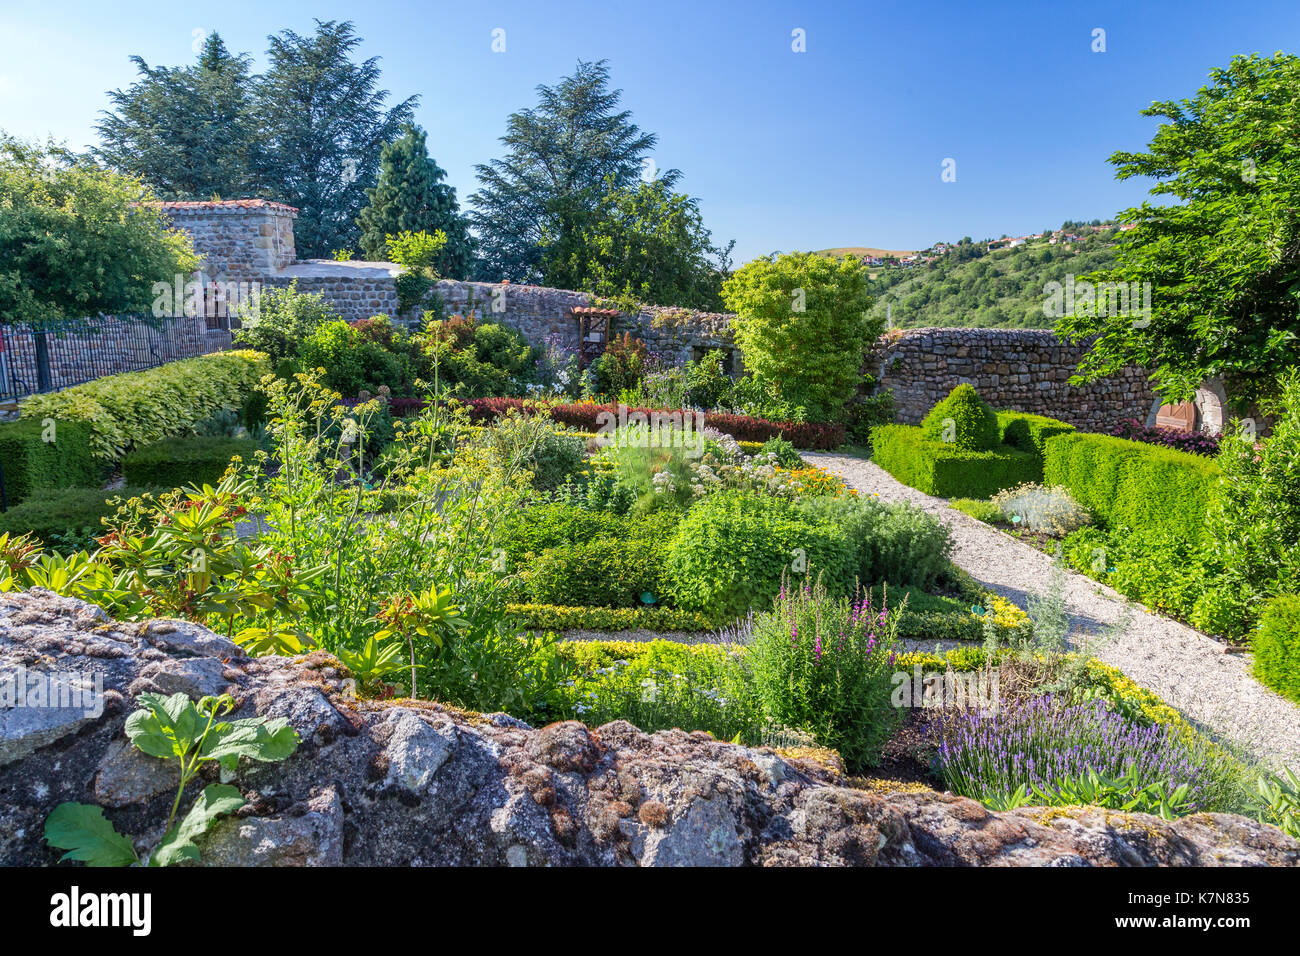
point(1025, 370)
point(238, 239)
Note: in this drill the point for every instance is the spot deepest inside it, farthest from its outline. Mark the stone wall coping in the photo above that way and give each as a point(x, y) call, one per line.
point(229, 206)
point(334, 269)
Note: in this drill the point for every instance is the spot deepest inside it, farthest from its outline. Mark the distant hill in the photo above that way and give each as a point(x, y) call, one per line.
point(968, 284)
point(861, 251)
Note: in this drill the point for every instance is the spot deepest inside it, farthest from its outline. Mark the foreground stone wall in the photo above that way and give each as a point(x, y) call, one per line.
point(420, 784)
point(1025, 370)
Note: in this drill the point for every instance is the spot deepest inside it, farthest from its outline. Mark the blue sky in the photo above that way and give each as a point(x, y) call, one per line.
point(839, 145)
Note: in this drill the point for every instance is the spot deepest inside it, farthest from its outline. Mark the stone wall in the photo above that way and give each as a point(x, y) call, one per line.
point(1026, 370)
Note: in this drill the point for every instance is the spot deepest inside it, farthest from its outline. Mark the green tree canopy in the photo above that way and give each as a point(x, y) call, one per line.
point(410, 196)
point(185, 131)
point(324, 124)
point(561, 157)
point(645, 242)
point(77, 240)
point(1224, 259)
point(803, 327)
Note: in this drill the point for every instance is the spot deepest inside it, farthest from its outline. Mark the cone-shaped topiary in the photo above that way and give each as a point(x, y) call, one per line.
point(963, 420)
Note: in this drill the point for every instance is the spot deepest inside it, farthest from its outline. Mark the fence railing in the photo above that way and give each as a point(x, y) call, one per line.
point(46, 356)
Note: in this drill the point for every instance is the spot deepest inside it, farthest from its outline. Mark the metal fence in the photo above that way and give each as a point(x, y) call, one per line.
point(46, 356)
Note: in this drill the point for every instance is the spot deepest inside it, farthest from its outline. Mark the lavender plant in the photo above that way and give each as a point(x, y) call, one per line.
point(1047, 745)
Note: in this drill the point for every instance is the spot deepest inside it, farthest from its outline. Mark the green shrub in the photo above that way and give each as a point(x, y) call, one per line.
point(942, 469)
point(978, 509)
point(786, 455)
point(139, 408)
point(67, 519)
point(730, 551)
point(282, 320)
point(1048, 509)
point(1253, 523)
point(897, 543)
point(1276, 643)
point(1030, 432)
point(1149, 488)
point(553, 455)
point(604, 572)
point(864, 414)
point(559, 618)
point(823, 665)
point(351, 362)
point(29, 463)
point(963, 420)
point(178, 462)
point(552, 525)
point(660, 685)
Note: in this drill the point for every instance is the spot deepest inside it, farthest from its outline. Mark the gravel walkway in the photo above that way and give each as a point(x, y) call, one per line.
point(1195, 673)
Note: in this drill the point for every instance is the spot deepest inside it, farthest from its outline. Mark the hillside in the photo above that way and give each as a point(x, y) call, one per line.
point(970, 285)
point(866, 252)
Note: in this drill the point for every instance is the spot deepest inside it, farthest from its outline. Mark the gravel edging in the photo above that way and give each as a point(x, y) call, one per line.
point(1193, 672)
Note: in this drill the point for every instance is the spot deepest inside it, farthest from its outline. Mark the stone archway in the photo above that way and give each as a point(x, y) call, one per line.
point(1205, 413)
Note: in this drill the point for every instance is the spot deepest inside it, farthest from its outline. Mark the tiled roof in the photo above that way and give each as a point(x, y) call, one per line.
point(227, 204)
point(592, 310)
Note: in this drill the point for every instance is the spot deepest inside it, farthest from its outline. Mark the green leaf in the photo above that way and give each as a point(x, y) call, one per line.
point(178, 844)
point(83, 831)
point(256, 738)
point(167, 727)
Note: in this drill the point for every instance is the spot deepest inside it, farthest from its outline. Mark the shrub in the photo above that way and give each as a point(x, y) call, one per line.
point(1147, 488)
point(939, 468)
point(897, 543)
point(729, 553)
point(1196, 443)
point(985, 511)
point(864, 414)
point(604, 572)
point(352, 362)
point(824, 665)
point(67, 519)
point(478, 359)
point(1050, 510)
point(551, 455)
point(783, 452)
point(587, 416)
point(282, 320)
point(660, 685)
point(29, 463)
point(802, 320)
point(1276, 643)
point(559, 618)
point(1254, 521)
point(551, 525)
point(1030, 432)
point(178, 462)
point(707, 385)
point(139, 408)
point(963, 420)
point(621, 366)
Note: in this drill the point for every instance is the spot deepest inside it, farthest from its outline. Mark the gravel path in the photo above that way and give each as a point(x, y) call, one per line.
point(1191, 671)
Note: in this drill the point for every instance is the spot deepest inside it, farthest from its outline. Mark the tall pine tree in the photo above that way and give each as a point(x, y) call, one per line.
point(411, 196)
point(562, 156)
point(186, 131)
point(325, 124)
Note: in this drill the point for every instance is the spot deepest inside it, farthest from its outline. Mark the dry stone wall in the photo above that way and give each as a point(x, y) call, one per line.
point(1025, 370)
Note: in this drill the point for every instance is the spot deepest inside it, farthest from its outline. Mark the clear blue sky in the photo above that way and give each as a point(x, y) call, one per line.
point(840, 145)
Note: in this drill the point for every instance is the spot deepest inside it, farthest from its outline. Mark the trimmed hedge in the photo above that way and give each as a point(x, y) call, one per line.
point(1276, 644)
point(974, 425)
point(139, 408)
point(176, 462)
point(1126, 483)
point(941, 469)
point(1030, 432)
point(30, 463)
point(63, 511)
point(550, 617)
